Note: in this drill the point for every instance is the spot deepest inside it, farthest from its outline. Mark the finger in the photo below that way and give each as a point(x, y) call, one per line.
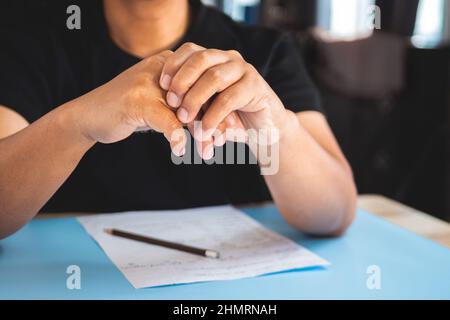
point(205, 147)
point(171, 66)
point(161, 56)
point(233, 98)
point(165, 54)
point(193, 124)
point(235, 128)
point(219, 137)
point(214, 80)
point(231, 129)
point(154, 64)
point(163, 120)
point(194, 67)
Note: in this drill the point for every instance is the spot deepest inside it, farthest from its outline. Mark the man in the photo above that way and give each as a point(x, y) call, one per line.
point(71, 103)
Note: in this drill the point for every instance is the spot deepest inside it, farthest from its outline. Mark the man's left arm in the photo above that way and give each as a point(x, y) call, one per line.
point(313, 185)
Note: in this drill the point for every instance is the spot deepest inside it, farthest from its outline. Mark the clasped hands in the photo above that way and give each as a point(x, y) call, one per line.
point(193, 85)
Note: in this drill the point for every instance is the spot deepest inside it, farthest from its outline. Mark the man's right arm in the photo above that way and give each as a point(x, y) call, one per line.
point(35, 159)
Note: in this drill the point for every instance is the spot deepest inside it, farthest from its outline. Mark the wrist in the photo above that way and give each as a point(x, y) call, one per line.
point(69, 119)
point(286, 123)
point(283, 124)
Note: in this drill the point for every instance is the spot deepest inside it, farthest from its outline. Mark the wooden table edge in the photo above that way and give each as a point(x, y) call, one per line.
point(395, 212)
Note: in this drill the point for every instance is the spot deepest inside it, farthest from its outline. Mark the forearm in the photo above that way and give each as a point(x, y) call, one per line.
point(35, 162)
point(312, 189)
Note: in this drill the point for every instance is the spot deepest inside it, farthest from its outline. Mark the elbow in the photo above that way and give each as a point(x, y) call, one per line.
point(6, 232)
point(8, 227)
point(348, 214)
point(328, 228)
point(325, 218)
point(348, 205)
point(347, 211)
point(342, 227)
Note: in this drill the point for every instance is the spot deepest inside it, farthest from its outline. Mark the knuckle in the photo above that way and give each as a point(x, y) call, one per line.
point(166, 53)
point(189, 45)
point(225, 100)
point(202, 57)
point(215, 75)
point(148, 60)
point(152, 59)
point(234, 54)
point(253, 79)
point(249, 67)
point(189, 68)
point(153, 63)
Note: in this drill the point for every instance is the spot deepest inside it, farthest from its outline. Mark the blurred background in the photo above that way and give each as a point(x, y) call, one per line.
point(383, 71)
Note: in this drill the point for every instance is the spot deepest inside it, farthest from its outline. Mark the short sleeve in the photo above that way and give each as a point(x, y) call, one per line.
point(23, 81)
point(285, 72)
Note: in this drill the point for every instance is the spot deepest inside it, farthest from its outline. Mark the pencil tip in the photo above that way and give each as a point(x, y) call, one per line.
point(108, 231)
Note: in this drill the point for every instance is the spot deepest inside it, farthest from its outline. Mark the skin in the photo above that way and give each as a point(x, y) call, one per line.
point(165, 91)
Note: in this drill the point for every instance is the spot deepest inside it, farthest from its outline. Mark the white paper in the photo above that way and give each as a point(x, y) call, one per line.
point(247, 249)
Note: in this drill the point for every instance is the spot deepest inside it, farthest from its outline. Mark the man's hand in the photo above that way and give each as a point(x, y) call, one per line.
point(133, 101)
point(193, 76)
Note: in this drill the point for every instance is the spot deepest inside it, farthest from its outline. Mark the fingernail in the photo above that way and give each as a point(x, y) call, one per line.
point(173, 100)
point(165, 82)
point(208, 153)
point(183, 115)
point(176, 152)
point(219, 141)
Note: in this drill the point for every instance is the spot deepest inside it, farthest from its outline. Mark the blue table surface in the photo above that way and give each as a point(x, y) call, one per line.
point(33, 265)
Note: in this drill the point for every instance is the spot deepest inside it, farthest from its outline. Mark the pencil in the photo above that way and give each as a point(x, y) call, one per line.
point(162, 243)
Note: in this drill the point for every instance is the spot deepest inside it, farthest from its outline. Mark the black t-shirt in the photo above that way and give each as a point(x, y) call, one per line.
point(47, 65)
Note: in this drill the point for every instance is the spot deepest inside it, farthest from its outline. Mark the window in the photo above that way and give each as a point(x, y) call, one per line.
point(429, 29)
point(346, 19)
point(239, 10)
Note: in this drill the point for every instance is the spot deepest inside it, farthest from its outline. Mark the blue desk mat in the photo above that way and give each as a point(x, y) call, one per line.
point(33, 265)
